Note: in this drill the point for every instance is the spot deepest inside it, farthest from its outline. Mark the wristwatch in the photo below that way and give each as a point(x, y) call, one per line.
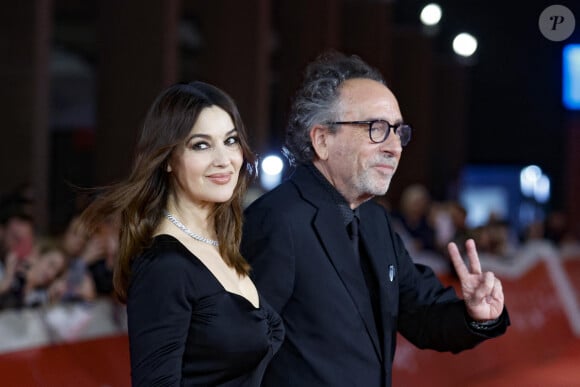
point(484, 325)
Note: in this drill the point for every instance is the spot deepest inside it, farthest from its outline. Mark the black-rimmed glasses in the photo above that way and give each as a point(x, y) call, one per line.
point(379, 130)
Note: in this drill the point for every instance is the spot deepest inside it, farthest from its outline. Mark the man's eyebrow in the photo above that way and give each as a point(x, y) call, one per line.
point(396, 122)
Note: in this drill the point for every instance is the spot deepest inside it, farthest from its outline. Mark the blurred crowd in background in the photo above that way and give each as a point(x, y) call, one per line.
point(72, 266)
point(427, 226)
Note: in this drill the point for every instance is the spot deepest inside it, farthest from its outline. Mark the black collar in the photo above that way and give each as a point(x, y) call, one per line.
point(346, 213)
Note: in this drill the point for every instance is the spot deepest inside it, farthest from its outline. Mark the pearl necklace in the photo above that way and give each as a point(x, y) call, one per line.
point(195, 236)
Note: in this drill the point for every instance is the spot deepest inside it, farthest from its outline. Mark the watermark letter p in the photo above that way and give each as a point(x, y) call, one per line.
point(556, 20)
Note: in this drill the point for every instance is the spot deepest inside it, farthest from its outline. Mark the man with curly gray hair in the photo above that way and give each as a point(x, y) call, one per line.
point(317, 100)
point(326, 257)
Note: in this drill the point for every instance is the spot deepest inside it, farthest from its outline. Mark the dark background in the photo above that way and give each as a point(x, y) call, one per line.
point(515, 114)
point(78, 77)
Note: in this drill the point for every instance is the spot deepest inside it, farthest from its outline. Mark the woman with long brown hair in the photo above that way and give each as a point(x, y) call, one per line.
point(194, 315)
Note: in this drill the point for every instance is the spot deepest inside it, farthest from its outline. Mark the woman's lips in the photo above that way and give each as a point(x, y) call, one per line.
point(220, 178)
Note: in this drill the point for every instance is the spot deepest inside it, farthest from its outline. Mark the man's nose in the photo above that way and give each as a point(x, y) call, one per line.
point(392, 145)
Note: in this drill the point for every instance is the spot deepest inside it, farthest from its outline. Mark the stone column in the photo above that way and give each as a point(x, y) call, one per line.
point(303, 29)
point(25, 39)
point(414, 86)
point(367, 31)
point(449, 142)
point(138, 56)
point(572, 171)
point(236, 57)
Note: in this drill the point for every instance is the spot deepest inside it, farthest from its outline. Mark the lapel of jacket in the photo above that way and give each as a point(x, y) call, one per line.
point(373, 236)
point(331, 231)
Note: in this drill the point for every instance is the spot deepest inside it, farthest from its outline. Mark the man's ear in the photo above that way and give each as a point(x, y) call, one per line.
point(319, 137)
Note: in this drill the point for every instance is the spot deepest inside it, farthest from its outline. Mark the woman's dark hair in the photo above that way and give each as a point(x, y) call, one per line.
point(140, 200)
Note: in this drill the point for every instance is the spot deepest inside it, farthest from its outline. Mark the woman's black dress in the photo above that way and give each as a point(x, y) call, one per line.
point(185, 329)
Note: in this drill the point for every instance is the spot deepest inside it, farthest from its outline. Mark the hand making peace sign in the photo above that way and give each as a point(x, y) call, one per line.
point(482, 292)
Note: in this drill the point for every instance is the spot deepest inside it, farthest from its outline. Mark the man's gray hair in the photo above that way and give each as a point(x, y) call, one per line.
point(316, 101)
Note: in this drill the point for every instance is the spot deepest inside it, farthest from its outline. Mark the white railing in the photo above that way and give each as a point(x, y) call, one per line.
point(34, 327)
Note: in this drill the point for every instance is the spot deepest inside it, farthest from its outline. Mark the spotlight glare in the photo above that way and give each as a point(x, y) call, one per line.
point(272, 165)
point(571, 76)
point(431, 14)
point(464, 44)
point(542, 189)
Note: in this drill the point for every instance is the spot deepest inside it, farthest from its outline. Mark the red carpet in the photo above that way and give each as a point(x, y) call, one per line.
point(562, 371)
point(91, 363)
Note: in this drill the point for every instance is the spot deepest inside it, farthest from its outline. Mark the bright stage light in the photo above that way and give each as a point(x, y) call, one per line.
point(464, 44)
point(272, 167)
point(571, 76)
point(431, 14)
